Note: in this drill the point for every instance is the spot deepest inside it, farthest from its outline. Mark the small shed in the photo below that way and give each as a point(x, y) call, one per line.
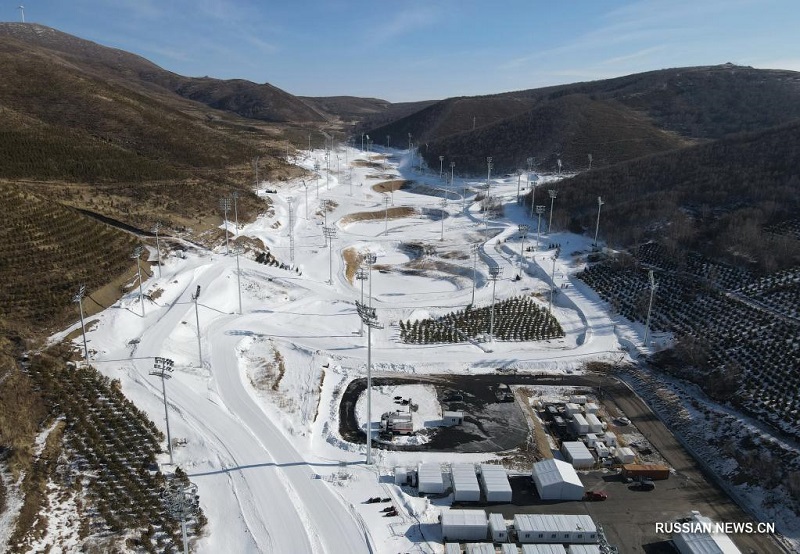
point(464, 525)
point(625, 455)
point(465, 483)
point(430, 478)
point(591, 440)
point(572, 408)
point(610, 438)
point(452, 548)
point(498, 528)
point(508, 548)
point(400, 475)
point(480, 548)
point(591, 408)
point(543, 549)
point(595, 425)
point(576, 453)
point(579, 424)
point(556, 480)
point(494, 481)
point(601, 449)
point(452, 418)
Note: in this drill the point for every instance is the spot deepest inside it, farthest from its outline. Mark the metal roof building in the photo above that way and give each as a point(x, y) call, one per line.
point(430, 478)
point(498, 528)
point(543, 549)
point(465, 483)
point(452, 548)
point(494, 482)
point(704, 542)
point(557, 480)
point(555, 528)
point(584, 549)
point(480, 548)
point(576, 453)
point(508, 548)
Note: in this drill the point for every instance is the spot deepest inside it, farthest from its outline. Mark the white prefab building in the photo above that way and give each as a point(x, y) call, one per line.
point(497, 528)
point(464, 525)
point(556, 480)
point(430, 478)
point(591, 408)
point(591, 440)
point(480, 548)
point(601, 449)
point(572, 409)
point(452, 418)
point(452, 548)
point(400, 475)
point(610, 438)
point(576, 453)
point(579, 424)
point(494, 482)
point(578, 399)
point(555, 528)
point(584, 549)
point(625, 455)
point(508, 548)
point(595, 425)
point(703, 542)
point(465, 483)
point(543, 549)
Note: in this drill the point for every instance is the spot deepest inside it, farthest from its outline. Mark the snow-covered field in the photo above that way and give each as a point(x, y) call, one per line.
point(257, 399)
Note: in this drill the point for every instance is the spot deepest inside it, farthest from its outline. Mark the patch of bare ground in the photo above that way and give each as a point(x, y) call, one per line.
point(454, 255)
point(391, 186)
point(392, 213)
point(269, 373)
point(365, 163)
point(319, 393)
point(352, 261)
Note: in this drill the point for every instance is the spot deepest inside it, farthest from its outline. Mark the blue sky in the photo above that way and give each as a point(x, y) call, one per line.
point(406, 50)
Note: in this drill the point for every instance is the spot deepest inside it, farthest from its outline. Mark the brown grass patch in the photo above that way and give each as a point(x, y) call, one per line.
point(352, 261)
point(365, 163)
point(390, 186)
point(393, 213)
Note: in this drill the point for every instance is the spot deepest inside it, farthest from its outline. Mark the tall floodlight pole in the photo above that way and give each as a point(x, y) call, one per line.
point(316, 170)
point(386, 215)
point(330, 234)
point(162, 367)
point(597, 225)
point(236, 211)
point(452, 168)
point(519, 184)
point(443, 204)
point(494, 275)
point(324, 205)
point(486, 207)
point(362, 142)
point(195, 296)
point(305, 186)
point(559, 167)
point(387, 141)
point(553, 282)
point(255, 166)
point(290, 201)
point(590, 161)
point(474, 248)
point(553, 194)
point(523, 230)
point(328, 170)
point(225, 204)
point(238, 250)
point(539, 211)
point(370, 258)
point(78, 299)
point(156, 227)
point(361, 275)
point(22, 12)
point(368, 317)
point(137, 253)
point(488, 174)
point(441, 166)
point(182, 503)
point(653, 286)
point(309, 142)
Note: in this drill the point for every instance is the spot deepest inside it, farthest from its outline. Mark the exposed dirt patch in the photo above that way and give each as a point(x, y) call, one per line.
point(392, 213)
point(352, 261)
point(391, 186)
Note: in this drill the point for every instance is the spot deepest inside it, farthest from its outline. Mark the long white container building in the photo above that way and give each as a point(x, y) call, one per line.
point(576, 453)
point(555, 528)
point(556, 480)
point(498, 528)
point(584, 549)
point(480, 548)
point(494, 482)
point(452, 548)
point(595, 425)
point(465, 483)
point(430, 478)
point(508, 548)
point(464, 525)
point(579, 424)
point(543, 549)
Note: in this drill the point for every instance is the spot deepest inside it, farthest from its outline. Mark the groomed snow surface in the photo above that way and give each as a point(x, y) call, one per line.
point(259, 412)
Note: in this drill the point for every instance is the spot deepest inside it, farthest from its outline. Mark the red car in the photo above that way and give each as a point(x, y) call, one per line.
point(595, 496)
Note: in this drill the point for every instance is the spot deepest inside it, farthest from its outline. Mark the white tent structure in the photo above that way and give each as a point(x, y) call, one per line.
point(704, 542)
point(576, 453)
point(465, 483)
point(430, 478)
point(508, 548)
point(498, 528)
point(543, 549)
point(557, 480)
point(464, 525)
point(494, 481)
point(584, 549)
point(480, 548)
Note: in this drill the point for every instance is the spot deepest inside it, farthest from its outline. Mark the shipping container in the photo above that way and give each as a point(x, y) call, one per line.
point(650, 471)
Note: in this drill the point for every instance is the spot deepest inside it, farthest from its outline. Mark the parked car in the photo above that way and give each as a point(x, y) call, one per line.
point(644, 485)
point(595, 496)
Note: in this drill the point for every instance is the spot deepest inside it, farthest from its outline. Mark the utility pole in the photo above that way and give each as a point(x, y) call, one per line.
point(488, 174)
point(597, 225)
point(444, 211)
point(653, 286)
point(330, 233)
point(195, 296)
point(305, 186)
point(225, 204)
point(290, 201)
point(156, 227)
point(78, 299)
point(441, 166)
point(474, 248)
point(162, 367)
point(553, 194)
point(255, 166)
point(361, 275)
point(238, 251)
point(137, 253)
point(386, 215)
point(559, 167)
point(494, 275)
point(368, 318)
point(370, 258)
point(181, 502)
point(519, 184)
point(236, 210)
point(523, 230)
